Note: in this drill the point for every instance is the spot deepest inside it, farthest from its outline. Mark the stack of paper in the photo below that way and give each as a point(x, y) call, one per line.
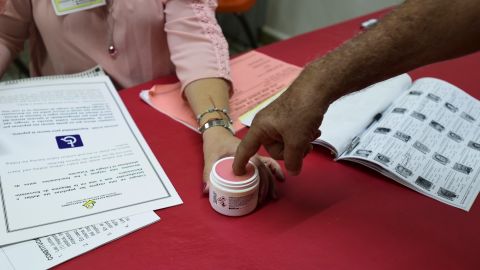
point(71, 156)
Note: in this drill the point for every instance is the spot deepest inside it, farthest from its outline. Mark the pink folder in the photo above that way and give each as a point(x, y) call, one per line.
point(255, 76)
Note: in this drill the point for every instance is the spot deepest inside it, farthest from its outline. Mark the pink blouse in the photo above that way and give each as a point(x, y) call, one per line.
point(152, 38)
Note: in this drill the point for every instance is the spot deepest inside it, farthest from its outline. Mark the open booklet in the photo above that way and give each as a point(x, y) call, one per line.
point(423, 134)
point(72, 156)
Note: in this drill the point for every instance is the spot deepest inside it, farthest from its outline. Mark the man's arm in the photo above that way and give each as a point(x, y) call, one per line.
point(417, 33)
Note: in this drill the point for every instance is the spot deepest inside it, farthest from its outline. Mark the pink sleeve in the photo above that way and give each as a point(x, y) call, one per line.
point(15, 18)
point(197, 46)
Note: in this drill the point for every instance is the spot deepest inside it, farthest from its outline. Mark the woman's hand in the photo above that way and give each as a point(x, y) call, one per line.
point(218, 142)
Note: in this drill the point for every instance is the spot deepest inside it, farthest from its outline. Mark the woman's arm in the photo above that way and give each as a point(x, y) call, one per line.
point(218, 141)
point(202, 95)
point(15, 18)
point(197, 46)
point(199, 52)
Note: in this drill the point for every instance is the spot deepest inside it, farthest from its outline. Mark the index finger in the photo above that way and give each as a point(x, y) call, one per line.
point(245, 150)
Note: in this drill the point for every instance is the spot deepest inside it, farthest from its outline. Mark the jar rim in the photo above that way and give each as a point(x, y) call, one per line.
point(233, 184)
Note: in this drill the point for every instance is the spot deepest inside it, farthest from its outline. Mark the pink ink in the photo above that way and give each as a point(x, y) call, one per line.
point(224, 170)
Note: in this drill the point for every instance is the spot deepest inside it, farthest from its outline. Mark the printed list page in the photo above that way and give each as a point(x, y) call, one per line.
point(429, 140)
point(48, 251)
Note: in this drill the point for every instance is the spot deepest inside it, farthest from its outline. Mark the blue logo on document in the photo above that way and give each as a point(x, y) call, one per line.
point(69, 141)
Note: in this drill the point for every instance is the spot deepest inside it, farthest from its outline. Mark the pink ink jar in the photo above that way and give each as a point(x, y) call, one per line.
point(233, 195)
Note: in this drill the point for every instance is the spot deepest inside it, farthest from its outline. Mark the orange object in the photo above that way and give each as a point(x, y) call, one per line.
point(236, 6)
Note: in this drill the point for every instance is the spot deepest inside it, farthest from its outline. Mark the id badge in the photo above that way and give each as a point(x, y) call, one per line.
point(63, 7)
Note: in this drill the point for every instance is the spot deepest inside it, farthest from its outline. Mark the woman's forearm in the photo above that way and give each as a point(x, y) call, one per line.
point(206, 94)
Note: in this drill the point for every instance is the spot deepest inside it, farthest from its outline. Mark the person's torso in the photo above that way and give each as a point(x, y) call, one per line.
point(125, 37)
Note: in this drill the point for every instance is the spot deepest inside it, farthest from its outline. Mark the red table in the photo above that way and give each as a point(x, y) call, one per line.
point(332, 216)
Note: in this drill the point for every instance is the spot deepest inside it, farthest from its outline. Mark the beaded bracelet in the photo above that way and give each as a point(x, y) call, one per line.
point(214, 109)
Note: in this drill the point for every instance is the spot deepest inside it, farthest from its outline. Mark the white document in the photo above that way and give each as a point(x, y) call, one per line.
point(428, 140)
point(71, 156)
point(351, 114)
point(46, 252)
point(4, 262)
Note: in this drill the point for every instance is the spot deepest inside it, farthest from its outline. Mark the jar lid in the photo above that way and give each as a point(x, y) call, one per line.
point(223, 169)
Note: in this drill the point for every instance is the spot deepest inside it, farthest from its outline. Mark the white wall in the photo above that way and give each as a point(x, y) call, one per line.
point(286, 18)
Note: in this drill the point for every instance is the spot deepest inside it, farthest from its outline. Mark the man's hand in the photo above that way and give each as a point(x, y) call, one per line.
point(219, 143)
point(286, 127)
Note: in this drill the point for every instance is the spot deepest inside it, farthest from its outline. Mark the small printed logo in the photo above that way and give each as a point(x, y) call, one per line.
point(89, 204)
point(222, 201)
point(69, 141)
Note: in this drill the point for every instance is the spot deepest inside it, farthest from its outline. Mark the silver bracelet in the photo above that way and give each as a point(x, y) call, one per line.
point(214, 109)
point(216, 123)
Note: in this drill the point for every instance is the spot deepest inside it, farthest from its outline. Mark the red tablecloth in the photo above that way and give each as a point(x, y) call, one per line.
point(333, 216)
